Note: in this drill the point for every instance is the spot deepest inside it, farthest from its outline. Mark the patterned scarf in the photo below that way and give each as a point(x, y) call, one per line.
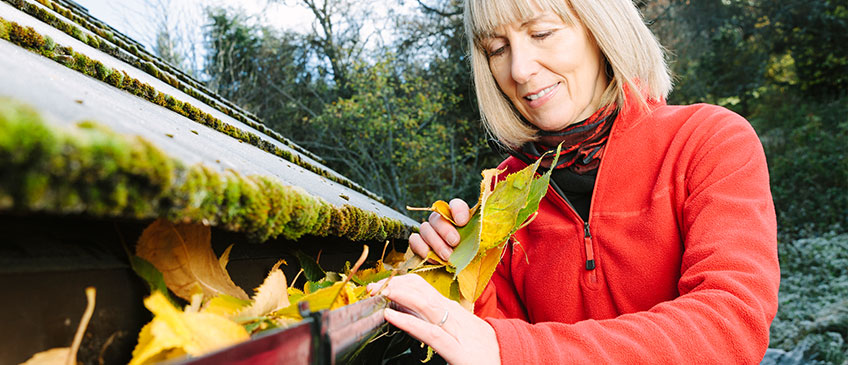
point(582, 143)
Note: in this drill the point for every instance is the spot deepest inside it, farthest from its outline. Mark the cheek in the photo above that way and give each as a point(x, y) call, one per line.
point(502, 77)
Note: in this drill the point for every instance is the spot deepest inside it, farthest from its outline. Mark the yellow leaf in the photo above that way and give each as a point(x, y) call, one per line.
point(438, 277)
point(441, 207)
point(224, 305)
point(326, 298)
point(270, 296)
point(183, 253)
point(393, 259)
point(172, 332)
point(476, 275)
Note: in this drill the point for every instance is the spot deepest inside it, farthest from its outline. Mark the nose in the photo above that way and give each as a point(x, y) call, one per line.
point(523, 63)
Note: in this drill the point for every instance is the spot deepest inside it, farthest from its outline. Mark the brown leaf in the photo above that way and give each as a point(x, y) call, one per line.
point(183, 253)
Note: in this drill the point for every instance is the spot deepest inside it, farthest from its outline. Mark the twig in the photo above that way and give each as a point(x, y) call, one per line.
point(86, 316)
point(352, 272)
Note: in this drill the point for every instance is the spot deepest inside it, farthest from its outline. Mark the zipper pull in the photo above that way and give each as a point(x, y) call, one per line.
point(587, 241)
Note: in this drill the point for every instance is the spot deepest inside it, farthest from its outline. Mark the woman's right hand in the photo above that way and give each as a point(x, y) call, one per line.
point(438, 233)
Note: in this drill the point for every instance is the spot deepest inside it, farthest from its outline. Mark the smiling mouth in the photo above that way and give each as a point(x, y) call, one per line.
point(542, 93)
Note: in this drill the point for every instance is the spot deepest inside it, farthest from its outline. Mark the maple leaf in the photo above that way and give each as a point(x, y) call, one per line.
point(183, 254)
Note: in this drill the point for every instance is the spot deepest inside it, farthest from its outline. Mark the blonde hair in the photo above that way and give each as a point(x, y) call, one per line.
point(630, 51)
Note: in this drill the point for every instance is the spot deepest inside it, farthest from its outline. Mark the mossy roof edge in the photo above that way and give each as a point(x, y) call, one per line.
point(30, 39)
point(135, 55)
point(91, 170)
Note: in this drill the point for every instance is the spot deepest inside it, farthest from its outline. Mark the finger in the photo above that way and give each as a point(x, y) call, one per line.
point(432, 238)
point(445, 229)
point(431, 334)
point(374, 287)
point(416, 294)
point(459, 211)
point(419, 247)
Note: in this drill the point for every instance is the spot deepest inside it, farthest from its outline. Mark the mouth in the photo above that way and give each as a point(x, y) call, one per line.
point(540, 93)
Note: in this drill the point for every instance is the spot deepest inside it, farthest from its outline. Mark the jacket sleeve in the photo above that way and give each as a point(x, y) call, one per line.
point(729, 273)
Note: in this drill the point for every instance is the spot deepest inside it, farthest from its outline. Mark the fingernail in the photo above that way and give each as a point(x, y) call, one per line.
point(445, 254)
point(453, 238)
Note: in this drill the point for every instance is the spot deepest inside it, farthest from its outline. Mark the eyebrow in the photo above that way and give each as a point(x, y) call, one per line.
point(531, 21)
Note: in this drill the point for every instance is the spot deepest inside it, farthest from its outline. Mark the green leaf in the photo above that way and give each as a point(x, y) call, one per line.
point(152, 276)
point(469, 243)
point(313, 286)
point(538, 188)
point(311, 269)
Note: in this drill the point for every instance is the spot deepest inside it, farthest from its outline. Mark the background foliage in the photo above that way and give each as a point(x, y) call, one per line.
point(399, 116)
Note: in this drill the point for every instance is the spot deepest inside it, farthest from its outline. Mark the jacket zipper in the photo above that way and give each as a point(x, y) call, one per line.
point(587, 242)
point(590, 263)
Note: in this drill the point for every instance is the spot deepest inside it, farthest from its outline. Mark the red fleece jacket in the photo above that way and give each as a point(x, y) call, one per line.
point(682, 232)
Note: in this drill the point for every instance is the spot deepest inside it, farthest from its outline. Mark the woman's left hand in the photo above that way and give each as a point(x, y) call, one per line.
point(456, 334)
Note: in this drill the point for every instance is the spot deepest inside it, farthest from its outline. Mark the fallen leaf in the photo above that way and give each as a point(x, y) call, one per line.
point(67, 355)
point(183, 254)
point(500, 211)
point(225, 257)
point(173, 333)
point(440, 279)
point(477, 274)
point(441, 207)
point(327, 298)
point(224, 305)
point(152, 276)
point(270, 296)
point(311, 269)
point(56, 356)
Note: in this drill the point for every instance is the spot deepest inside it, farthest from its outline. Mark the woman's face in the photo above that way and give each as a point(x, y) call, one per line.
point(551, 71)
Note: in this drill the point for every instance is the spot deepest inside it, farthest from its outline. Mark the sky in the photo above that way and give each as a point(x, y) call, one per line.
point(140, 19)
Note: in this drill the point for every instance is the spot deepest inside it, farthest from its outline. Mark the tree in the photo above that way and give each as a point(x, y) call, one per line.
point(264, 70)
point(392, 136)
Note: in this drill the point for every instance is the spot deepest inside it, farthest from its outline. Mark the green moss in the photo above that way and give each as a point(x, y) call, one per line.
point(96, 29)
point(151, 69)
point(84, 64)
point(115, 78)
point(27, 37)
point(4, 29)
point(94, 171)
point(102, 72)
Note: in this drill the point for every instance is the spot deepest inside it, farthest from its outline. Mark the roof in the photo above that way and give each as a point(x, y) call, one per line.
point(88, 89)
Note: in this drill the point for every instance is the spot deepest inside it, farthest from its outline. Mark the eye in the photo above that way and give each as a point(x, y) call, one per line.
point(496, 47)
point(496, 52)
point(541, 35)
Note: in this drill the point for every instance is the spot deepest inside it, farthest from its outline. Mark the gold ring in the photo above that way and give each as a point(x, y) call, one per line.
point(444, 319)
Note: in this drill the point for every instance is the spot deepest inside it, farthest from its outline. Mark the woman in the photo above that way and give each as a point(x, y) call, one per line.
point(656, 242)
